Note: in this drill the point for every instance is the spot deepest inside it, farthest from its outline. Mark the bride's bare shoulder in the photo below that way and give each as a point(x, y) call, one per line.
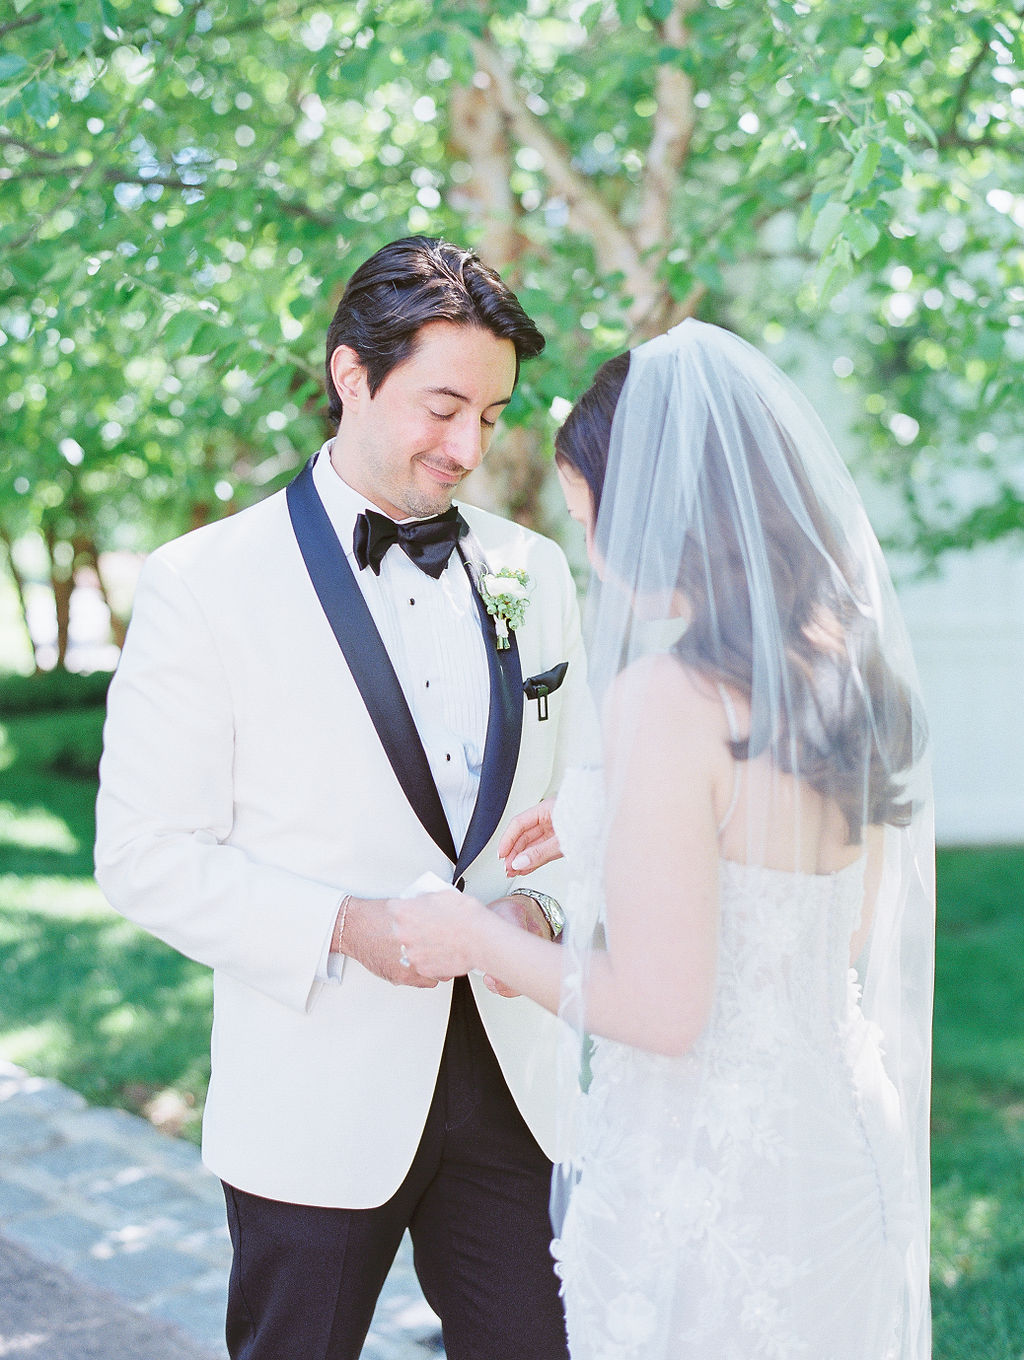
point(660, 689)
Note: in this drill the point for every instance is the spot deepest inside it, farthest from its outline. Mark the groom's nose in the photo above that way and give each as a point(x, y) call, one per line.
point(467, 444)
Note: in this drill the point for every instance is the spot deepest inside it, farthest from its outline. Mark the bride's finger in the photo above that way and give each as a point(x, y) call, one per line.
point(519, 828)
point(533, 856)
point(527, 840)
point(518, 846)
point(535, 821)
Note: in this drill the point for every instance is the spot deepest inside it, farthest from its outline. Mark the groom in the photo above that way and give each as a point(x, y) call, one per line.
point(312, 710)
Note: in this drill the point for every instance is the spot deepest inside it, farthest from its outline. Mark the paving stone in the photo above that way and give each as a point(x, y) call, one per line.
point(214, 1247)
point(200, 1314)
point(36, 1094)
point(121, 1126)
point(18, 1199)
point(131, 1210)
point(60, 1238)
point(189, 1222)
point(48, 1314)
point(140, 1273)
point(23, 1131)
point(136, 1188)
point(73, 1162)
point(105, 1122)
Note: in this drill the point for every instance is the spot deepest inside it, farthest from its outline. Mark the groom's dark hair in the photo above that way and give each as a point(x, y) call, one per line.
point(404, 287)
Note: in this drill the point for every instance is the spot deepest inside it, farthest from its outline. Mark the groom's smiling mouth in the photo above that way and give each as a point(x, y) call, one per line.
point(450, 476)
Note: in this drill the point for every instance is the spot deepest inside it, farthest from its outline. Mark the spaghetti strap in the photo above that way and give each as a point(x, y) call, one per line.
point(734, 733)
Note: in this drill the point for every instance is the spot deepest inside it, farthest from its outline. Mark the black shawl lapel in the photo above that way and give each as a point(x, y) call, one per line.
point(504, 719)
point(352, 624)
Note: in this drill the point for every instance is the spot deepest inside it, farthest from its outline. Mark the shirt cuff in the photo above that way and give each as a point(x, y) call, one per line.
point(331, 966)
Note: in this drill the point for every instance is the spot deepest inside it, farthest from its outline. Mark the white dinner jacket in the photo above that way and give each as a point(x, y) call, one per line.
point(244, 790)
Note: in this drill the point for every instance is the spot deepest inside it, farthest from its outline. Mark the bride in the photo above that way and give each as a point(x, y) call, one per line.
point(748, 960)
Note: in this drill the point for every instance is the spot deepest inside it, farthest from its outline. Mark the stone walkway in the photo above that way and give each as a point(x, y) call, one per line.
point(128, 1210)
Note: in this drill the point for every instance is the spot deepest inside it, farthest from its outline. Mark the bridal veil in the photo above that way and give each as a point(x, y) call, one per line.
point(767, 1192)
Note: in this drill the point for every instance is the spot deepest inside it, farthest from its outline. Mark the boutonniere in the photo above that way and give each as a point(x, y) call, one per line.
point(505, 593)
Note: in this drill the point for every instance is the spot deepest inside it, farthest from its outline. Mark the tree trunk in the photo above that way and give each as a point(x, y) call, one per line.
point(87, 554)
point(509, 480)
point(62, 584)
point(19, 586)
point(632, 250)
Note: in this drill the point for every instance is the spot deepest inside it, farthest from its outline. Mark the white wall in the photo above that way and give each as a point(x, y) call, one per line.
point(967, 627)
point(967, 630)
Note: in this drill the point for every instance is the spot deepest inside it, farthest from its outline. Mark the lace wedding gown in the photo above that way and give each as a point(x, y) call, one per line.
point(748, 1198)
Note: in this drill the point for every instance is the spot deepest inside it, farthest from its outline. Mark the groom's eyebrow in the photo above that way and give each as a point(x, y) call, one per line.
point(461, 396)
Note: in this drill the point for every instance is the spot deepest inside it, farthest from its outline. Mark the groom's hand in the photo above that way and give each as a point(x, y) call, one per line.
point(524, 913)
point(369, 938)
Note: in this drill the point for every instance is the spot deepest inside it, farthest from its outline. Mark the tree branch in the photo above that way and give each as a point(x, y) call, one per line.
point(120, 176)
point(674, 121)
point(613, 245)
point(23, 22)
point(479, 133)
point(962, 91)
point(957, 139)
point(36, 152)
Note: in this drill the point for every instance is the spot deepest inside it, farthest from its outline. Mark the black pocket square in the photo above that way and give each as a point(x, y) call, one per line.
point(540, 686)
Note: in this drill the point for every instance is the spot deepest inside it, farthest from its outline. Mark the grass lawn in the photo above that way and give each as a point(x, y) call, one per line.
point(91, 1000)
point(85, 996)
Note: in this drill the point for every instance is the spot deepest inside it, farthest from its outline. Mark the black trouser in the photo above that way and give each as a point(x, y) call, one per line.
point(305, 1280)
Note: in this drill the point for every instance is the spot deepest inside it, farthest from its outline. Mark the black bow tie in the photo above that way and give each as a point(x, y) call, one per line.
point(427, 542)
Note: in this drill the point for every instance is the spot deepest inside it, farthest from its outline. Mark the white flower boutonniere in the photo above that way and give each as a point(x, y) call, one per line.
point(506, 593)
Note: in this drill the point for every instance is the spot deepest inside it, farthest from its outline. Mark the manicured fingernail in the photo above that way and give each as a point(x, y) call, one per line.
point(521, 861)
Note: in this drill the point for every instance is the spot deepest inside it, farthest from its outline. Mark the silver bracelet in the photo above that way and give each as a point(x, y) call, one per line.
point(550, 908)
point(342, 915)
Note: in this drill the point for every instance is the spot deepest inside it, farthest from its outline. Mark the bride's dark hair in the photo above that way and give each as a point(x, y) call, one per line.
point(834, 670)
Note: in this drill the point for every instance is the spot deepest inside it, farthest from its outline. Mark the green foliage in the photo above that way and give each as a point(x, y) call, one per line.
point(85, 997)
point(64, 743)
point(49, 691)
point(978, 1107)
point(185, 184)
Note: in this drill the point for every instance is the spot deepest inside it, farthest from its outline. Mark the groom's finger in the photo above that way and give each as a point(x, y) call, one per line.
point(408, 977)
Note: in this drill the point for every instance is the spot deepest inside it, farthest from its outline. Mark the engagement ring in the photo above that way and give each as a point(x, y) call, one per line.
point(403, 957)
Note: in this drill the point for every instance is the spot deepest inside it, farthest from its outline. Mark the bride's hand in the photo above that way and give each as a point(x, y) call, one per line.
point(436, 931)
point(529, 840)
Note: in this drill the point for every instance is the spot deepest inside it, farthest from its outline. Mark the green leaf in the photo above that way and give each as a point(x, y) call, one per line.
point(862, 171)
point(844, 66)
point(911, 113)
point(768, 154)
point(709, 274)
point(209, 338)
point(833, 273)
point(827, 224)
point(40, 101)
point(11, 66)
point(181, 330)
point(75, 36)
point(861, 233)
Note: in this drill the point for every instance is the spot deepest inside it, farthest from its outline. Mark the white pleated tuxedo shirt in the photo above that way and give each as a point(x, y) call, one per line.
point(433, 635)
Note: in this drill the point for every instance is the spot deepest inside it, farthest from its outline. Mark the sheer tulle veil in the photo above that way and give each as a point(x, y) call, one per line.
point(729, 535)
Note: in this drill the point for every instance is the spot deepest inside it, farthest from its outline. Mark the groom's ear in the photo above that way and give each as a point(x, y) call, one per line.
point(348, 375)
